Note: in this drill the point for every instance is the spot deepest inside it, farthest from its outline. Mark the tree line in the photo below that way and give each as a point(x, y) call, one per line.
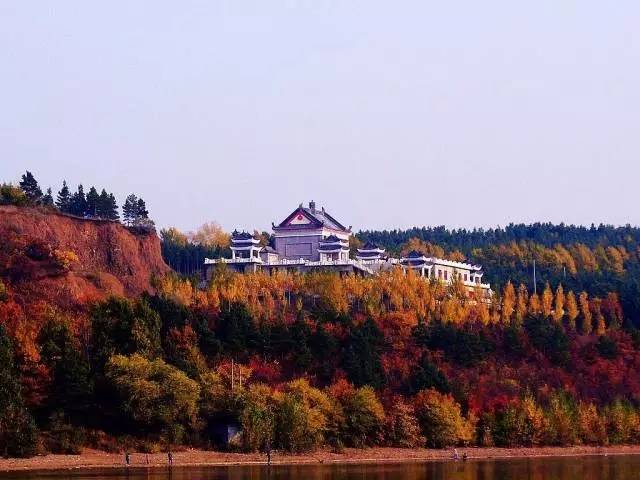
point(92, 204)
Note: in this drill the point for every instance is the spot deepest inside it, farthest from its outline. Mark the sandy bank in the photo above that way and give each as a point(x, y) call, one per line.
point(97, 459)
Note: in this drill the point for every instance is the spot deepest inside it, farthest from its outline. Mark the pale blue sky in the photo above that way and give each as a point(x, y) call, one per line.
point(390, 114)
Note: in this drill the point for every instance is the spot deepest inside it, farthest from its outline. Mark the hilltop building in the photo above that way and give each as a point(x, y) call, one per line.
point(310, 239)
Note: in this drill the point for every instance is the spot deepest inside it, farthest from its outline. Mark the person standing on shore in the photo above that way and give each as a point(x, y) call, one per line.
point(170, 458)
point(127, 459)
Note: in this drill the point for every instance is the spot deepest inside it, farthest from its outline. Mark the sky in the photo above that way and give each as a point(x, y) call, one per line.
point(389, 114)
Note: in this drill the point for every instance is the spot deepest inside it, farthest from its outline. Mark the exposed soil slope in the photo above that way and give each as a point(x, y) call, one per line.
point(72, 260)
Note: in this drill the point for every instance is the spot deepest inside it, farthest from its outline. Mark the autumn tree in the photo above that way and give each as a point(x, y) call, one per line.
point(441, 419)
point(211, 235)
point(508, 302)
point(558, 305)
point(547, 301)
point(572, 310)
point(585, 311)
point(521, 304)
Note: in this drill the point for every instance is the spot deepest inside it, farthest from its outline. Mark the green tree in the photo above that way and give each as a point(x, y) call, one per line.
point(426, 375)
point(78, 203)
point(141, 209)
point(47, 200)
point(122, 326)
point(92, 203)
point(18, 433)
point(258, 418)
point(156, 396)
point(71, 386)
point(30, 187)
point(107, 206)
point(302, 417)
point(362, 356)
point(63, 200)
point(130, 209)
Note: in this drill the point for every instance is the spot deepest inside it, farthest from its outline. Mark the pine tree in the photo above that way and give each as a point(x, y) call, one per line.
point(130, 209)
point(63, 200)
point(141, 210)
point(103, 204)
point(30, 187)
point(78, 204)
point(93, 199)
point(47, 200)
point(111, 211)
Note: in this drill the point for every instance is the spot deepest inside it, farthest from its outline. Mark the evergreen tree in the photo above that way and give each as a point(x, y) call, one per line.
point(111, 210)
point(141, 210)
point(78, 204)
point(102, 204)
point(71, 387)
point(30, 187)
point(93, 199)
point(47, 200)
point(63, 201)
point(130, 209)
point(18, 434)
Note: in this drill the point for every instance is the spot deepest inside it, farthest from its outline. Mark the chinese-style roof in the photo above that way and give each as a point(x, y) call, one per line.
point(241, 235)
point(316, 218)
point(370, 246)
point(369, 254)
point(415, 254)
point(332, 239)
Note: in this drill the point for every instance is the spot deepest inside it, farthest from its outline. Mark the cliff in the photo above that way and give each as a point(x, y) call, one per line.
point(70, 260)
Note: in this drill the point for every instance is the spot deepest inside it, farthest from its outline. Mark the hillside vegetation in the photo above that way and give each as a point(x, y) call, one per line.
point(101, 346)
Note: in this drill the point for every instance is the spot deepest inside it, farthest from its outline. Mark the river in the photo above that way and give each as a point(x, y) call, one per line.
point(618, 467)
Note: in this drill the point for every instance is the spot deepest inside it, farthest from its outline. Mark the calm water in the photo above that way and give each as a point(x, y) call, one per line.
point(588, 468)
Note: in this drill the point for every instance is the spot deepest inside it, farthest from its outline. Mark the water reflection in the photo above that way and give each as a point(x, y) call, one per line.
point(616, 467)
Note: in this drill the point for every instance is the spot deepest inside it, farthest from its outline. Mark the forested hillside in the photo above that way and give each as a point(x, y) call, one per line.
point(596, 259)
point(301, 362)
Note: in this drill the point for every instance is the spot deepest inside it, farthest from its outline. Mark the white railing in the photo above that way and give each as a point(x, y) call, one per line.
point(209, 261)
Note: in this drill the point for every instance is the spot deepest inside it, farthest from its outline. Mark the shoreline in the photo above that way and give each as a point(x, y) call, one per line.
point(93, 459)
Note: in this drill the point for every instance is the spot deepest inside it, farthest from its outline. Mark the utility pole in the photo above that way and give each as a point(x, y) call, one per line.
point(534, 278)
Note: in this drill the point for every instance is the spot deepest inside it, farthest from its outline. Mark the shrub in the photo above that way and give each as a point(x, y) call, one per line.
point(561, 420)
point(441, 419)
point(401, 425)
point(520, 423)
point(592, 426)
point(302, 417)
point(64, 259)
point(12, 195)
point(363, 414)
